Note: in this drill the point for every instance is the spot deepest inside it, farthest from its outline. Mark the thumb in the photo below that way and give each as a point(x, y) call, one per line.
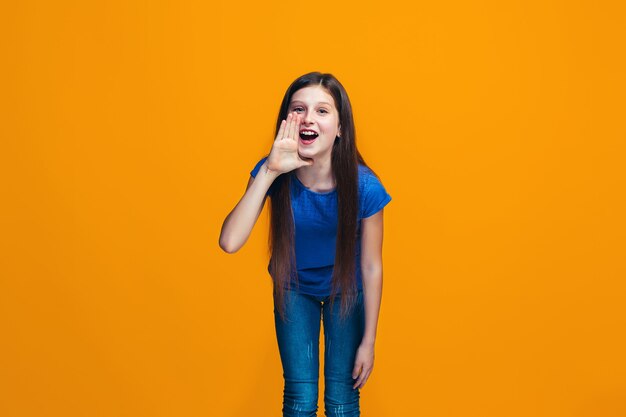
point(356, 371)
point(305, 162)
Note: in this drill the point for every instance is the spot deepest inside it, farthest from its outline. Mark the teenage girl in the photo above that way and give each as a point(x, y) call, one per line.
point(325, 242)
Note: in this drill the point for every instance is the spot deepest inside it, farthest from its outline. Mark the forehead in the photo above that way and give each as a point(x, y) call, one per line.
point(313, 95)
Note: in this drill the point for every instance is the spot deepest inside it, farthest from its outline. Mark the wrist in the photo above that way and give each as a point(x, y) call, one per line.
point(368, 341)
point(269, 172)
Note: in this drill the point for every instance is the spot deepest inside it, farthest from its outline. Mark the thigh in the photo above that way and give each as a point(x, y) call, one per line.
point(298, 336)
point(342, 337)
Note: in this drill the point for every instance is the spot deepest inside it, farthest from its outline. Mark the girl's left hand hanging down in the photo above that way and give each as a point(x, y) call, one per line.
point(363, 364)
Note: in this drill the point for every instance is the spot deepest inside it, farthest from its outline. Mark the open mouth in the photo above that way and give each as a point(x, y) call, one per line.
point(307, 136)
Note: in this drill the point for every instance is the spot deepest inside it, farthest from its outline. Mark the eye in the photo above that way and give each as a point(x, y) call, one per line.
point(323, 110)
point(297, 108)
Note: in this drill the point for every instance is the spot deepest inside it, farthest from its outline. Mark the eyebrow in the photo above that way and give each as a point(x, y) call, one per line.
point(298, 101)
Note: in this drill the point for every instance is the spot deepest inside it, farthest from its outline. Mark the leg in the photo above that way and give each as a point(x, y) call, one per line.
point(342, 338)
point(298, 342)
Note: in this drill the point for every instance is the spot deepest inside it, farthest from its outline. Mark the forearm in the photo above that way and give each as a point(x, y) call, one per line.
point(372, 294)
point(239, 223)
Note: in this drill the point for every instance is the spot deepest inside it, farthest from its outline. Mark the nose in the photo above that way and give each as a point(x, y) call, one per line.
point(307, 117)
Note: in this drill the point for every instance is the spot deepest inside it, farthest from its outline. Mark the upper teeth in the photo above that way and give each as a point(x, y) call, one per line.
point(308, 132)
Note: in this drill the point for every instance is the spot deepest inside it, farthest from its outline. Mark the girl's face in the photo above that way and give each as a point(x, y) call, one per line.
point(319, 115)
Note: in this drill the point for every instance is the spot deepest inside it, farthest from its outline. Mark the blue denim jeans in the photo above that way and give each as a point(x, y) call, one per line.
point(298, 342)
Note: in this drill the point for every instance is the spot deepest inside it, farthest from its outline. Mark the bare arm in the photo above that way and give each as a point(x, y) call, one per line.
point(372, 274)
point(240, 221)
point(372, 269)
point(283, 158)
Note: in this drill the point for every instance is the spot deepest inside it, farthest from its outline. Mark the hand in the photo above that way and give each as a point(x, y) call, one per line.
point(284, 155)
point(363, 364)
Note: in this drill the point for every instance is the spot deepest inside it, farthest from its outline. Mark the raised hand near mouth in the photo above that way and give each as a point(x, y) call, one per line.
point(284, 155)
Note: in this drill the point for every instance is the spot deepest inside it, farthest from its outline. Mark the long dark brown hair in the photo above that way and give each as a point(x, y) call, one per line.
point(345, 158)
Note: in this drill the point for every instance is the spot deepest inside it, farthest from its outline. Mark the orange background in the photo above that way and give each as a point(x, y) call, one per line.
point(128, 133)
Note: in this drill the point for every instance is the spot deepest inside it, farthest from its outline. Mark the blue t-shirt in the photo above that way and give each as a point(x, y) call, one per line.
point(316, 221)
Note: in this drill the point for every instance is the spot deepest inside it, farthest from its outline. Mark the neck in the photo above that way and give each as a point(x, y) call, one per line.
point(318, 176)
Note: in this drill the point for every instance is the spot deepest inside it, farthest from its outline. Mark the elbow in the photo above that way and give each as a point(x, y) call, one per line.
point(227, 246)
point(225, 240)
point(227, 249)
point(372, 270)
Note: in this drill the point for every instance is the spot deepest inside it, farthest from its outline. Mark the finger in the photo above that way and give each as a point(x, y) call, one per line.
point(357, 370)
point(359, 379)
point(295, 127)
point(281, 130)
point(305, 162)
point(365, 379)
point(362, 380)
point(365, 372)
point(288, 126)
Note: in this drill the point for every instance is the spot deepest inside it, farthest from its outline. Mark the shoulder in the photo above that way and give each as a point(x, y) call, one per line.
point(364, 173)
point(367, 178)
point(372, 193)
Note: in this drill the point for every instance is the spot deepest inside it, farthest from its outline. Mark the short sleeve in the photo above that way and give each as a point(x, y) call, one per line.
point(255, 171)
point(257, 167)
point(375, 197)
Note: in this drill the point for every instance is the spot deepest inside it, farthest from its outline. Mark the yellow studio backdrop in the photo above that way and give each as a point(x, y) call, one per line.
point(128, 133)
